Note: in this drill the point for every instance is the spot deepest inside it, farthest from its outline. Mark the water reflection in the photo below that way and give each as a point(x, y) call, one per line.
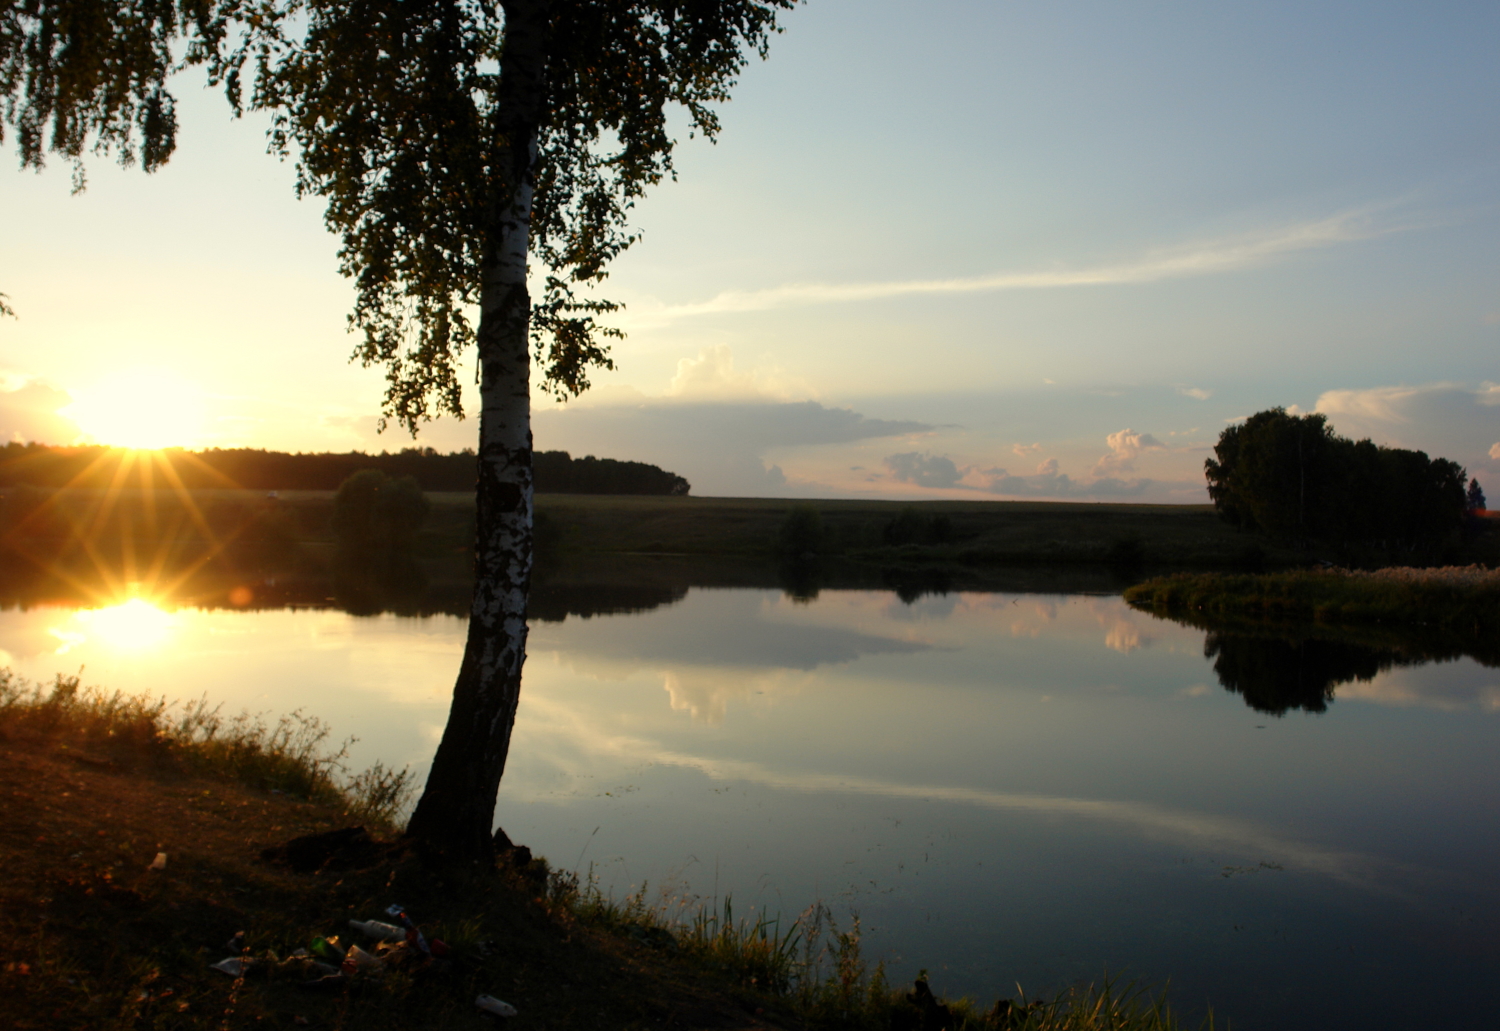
point(1275, 675)
point(1277, 668)
point(1007, 784)
point(135, 625)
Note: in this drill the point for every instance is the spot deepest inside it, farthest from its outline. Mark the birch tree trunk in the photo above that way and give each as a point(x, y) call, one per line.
point(456, 811)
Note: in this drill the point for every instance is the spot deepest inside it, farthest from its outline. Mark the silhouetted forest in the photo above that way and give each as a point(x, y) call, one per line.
point(557, 472)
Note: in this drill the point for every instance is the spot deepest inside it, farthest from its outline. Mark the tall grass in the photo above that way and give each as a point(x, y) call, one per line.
point(1460, 597)
point(818, 971)
point(292, 756)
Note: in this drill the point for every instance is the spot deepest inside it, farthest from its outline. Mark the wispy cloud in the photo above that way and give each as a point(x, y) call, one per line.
point(1199, 259)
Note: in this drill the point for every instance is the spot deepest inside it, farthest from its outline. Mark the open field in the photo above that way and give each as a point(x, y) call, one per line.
point(246, 548)
point(992, 531)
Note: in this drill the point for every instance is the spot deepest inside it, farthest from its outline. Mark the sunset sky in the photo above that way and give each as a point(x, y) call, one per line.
point(968, 249)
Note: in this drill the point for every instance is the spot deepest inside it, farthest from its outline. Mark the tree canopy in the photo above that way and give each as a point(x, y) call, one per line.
point(96, 466)
point(397, 114)
point(1294, 479)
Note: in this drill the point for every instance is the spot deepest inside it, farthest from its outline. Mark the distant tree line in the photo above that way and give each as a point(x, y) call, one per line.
point(557, 472)
point(1292, 478)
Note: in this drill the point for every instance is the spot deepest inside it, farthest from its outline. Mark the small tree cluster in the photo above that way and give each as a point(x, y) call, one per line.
point(373, 512)
point(1294, 479)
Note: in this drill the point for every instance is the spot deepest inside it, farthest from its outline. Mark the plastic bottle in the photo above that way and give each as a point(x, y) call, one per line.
point(490, 1004)
point(378, 929)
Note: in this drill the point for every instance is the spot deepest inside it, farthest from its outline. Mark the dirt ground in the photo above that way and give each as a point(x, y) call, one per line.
point(92, 937)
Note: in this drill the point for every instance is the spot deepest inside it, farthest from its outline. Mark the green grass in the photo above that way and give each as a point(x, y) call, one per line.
point(1461, 599)
point(292, 757)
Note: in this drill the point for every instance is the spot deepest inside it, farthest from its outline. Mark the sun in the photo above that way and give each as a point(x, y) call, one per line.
point(140, 408)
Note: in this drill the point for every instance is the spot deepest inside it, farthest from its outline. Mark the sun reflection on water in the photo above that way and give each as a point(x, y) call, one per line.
point(134, 625)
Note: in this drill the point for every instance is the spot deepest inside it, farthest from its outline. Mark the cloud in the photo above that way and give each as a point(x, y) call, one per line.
point(1452, 420)
point(1058, 485)
point(712, 376)
point(1124, 448)
point(940, 472)
point(1023, 450)
point(29, 410)
point(720, 447)
point(1195, 259)
point(1196, 393)
point(1495, 451)
point(924, 470)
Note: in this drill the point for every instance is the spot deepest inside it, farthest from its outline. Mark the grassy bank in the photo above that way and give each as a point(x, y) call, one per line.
point(1463, 599)
point(134, 849)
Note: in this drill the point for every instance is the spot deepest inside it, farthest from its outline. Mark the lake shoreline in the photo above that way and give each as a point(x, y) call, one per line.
point(131, 867)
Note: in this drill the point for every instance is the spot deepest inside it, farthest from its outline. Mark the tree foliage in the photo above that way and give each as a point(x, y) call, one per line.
point(1294, 479)
point(76, 71)
point(394, 113)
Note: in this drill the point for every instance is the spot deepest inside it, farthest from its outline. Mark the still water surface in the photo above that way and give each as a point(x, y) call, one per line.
point(1004, 787)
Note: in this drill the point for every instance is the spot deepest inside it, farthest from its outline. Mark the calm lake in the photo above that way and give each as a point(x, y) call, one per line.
point(1004, 786)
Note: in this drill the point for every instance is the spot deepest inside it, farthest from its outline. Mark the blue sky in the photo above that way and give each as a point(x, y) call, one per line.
point(962, 250)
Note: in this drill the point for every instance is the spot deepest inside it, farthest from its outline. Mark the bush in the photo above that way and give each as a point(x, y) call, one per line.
point(373, 512)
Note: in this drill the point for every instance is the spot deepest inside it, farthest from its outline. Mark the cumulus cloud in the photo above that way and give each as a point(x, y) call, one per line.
point(1024, 450)
point(1448, 419)
point(29, 410)
point(1495, 452)
point(712, 375)
point(1047, 468)
point(1124, 448)
point(1196, 393)
point(924, 470)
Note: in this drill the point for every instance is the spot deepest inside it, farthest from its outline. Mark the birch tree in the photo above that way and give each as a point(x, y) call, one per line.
point(479, 159)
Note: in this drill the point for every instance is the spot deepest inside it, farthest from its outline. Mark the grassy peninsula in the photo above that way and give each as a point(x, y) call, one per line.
point(139, 840)
point(1459, 599)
